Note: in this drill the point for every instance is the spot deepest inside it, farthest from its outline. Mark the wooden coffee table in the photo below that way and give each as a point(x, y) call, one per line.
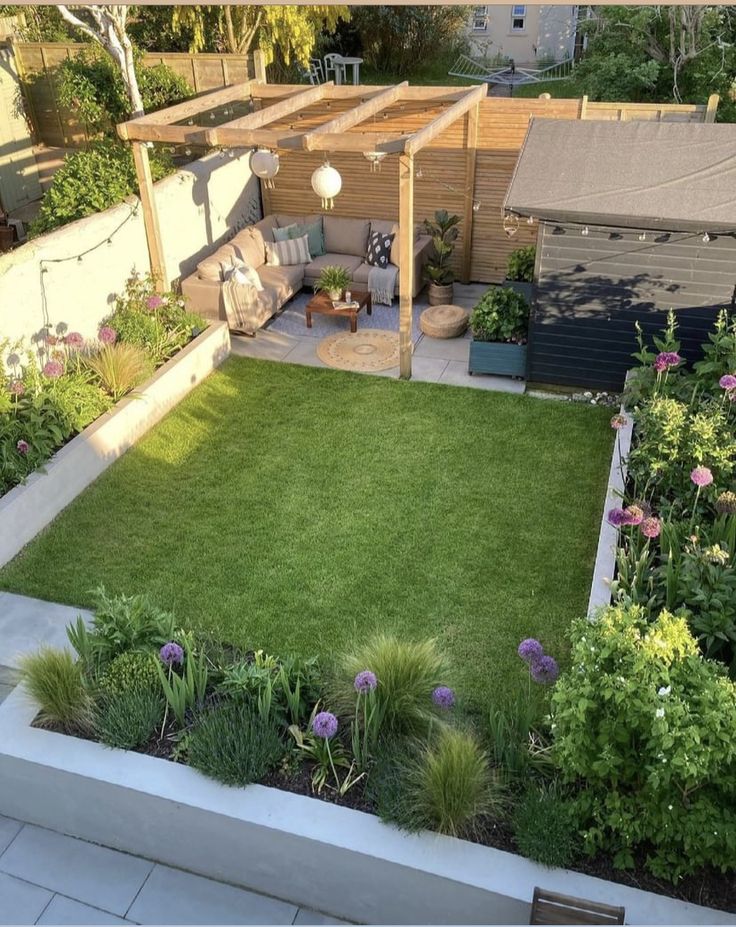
point(322, 303)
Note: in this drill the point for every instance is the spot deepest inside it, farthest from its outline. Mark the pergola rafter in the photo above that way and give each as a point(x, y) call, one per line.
point(353, 129)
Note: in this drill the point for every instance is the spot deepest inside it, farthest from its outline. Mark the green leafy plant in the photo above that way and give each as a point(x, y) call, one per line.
point(230, 742)
point(133, 670)
point(287, 688)
point(128, 719)
point(120, 367)
point(501, 315)
point(546, 827)
point(327, 753)
point(444, 232)
point(55, 682)
point(719, 352)
point(187, 691)
point(518, 749)
point(333, 279)
point(520, 266)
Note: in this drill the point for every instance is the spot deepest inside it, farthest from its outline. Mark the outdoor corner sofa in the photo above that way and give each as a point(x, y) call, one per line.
point(345, 242)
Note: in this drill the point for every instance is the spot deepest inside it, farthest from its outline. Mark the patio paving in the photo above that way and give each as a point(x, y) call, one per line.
point(436, 360)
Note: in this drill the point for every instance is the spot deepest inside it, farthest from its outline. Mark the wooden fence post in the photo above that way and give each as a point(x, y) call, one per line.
point(150, 216)
point(712, 107)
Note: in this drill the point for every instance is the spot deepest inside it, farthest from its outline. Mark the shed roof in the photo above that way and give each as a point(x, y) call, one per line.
point(649, 175)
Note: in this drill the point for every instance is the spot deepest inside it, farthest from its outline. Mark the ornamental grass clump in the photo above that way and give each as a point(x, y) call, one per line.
point(54, 680)
point(129, 719)
point(120, 367)
point(546, 827)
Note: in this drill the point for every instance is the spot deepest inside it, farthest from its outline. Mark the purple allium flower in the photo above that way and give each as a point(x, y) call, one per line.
point(172, 653)
point(17, 388)
point(726, 503)
point(365, 682)
point(545, 670)
point(23, 447)
point(651, 527)
point(53, 369)
point(74, 340)
point(665, 360)
point(107, 335)
point(324, 725)
point(530, 650)
point(443, 697)
point(618, 421)
point(701, 476)
point(727, 382)
point(154, 302)
point(634, 515)
point(13, 360)
point(617, 518)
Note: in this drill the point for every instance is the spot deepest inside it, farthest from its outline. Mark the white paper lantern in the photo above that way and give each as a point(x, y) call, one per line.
point(265, 164)
point(326, 183)
point(375, 157)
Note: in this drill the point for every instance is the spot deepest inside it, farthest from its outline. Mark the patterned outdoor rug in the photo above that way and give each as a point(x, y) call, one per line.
point(291, 320)
point(367, 350)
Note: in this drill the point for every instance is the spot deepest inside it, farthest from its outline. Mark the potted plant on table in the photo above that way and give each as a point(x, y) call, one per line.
point(333, 280)
point(520, 271)
point(444, 232)
point(499, 324)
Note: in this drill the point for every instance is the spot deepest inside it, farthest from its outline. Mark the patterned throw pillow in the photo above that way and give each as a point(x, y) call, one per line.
point(379, 249)
point(293, 251)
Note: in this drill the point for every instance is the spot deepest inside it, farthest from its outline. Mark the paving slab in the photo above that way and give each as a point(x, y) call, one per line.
point(457, 374)
point(171, 896)
point(449, 348)
point(304, 352)
point(98, 876)
point(9, 830)
point(63, 910)
point(305, 916)
point(266, 345)
point(21, 902)
point(26, 624)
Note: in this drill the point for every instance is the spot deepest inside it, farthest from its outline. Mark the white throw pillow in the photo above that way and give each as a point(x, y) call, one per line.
point(243, 273)
point(293, 251)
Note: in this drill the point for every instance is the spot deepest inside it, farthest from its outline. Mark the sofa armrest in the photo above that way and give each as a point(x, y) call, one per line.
point(204, 297)
point(421, 252)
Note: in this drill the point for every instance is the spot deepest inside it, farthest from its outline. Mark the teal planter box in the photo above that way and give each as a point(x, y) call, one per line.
point(497, 357)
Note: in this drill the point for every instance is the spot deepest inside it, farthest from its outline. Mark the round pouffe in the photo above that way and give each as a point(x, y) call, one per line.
point(445, 321)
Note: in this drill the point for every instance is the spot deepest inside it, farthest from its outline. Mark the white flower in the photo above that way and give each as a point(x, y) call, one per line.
point(659, 712)
point(664, 690)
point(669, 807)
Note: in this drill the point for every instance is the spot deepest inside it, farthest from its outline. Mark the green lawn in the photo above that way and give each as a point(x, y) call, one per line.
point(300, 510)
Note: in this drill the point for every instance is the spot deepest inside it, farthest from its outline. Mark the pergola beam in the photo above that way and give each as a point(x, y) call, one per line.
point(424, 136)
point(321, 137)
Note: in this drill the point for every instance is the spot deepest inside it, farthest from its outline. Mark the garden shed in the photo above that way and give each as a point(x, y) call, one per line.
point(635, 218)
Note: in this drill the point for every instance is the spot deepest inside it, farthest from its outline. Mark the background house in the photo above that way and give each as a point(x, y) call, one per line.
point(526, 33)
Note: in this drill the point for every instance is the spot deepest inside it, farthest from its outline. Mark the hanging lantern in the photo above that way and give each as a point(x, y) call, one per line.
point(375, 157)
point(265, 164)
point(326, 183)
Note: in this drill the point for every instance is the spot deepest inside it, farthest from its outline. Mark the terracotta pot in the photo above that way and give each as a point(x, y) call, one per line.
point(438, 295)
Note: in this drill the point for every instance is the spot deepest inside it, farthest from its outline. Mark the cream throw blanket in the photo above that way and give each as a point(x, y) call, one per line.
point(240, 300)
point(381, 284)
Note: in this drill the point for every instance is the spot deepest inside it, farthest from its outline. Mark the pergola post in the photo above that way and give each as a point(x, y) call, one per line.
point(471, 150)
point(406, 262)
point(150, 216)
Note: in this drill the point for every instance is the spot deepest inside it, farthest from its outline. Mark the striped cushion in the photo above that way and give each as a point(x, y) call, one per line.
point(292, 251)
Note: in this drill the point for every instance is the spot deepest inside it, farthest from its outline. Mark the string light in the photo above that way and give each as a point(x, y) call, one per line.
point(643, 236)
point(585, 231)
point(706, 238)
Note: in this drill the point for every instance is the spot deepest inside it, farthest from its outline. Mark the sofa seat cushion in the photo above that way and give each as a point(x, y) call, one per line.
point(315, 268)
point(346, 236)
point(282, 281)
point(360, 276)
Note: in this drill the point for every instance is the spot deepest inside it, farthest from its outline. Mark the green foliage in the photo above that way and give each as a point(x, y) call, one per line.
point(501, 315)
point(132, 670)
point(129, 718)
point(185, 692)
point(520, 266)
point(518, 749)
point(407, 672)
point(332, 278)
point(645, 723)
point(120, 367)
point(55, 682)
point(719, 351)
point(286, 688)
point(328, 755)
point(233, 744)
point(444, 232)
point(618, 77)
point(91, 180)
point(546, 827)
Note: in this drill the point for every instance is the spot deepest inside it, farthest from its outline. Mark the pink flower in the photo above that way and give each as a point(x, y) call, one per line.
point(23, 447)
point(651, 527)
point(665, 360)
point(618, 421)
point(53, 369)
point(74, 340)
point(728, 382)
point(154, 302)
point(17, 388)
point(51, 340)
point(107, 335)
point(634, 515)
point(701, 476)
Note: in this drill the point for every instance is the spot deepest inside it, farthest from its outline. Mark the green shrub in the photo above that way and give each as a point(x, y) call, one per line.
point(131, 671)
point(120, 367)
point(546, 827)
point(520, 266)
point(233, 744)
point(407, 671)
point(129, 718)
point(54, 681)
point(646, 724)
point(501, 315)
point(91, 180)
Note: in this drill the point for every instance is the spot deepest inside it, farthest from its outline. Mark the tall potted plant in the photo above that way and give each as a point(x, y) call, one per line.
point(333, 280)
point(520, 271)
point(499, 324)
point(444, 231)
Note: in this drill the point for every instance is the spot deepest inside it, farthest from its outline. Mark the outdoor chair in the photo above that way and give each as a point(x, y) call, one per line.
point(316, 71)
point(553, 908)
point(334, 66)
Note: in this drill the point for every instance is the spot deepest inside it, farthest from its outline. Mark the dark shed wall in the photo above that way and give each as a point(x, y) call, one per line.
point(591, 289)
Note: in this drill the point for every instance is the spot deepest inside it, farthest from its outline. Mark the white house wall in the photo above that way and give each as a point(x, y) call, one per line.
point(549, 31)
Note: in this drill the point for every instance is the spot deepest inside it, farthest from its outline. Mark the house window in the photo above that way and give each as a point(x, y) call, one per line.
point(480, 18)
point(518, 18)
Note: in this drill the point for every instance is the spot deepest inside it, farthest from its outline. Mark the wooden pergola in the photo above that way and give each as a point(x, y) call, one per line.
point(349, 125)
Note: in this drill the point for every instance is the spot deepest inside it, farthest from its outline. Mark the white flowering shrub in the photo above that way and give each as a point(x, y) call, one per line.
point(647, 727)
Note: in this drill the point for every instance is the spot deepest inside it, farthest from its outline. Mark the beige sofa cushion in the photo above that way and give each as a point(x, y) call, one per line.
point(266, 227)
point(283, 220)
point(346, 236)
point(212, 267)
point(315, 268)
point(388, 227)
point(249, 245)
point(282, 281)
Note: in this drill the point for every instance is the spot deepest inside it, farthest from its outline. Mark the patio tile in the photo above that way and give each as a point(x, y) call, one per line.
point(424, 369)
point(63, 910)
point(304, 352)
point(99, 876)
point(457, 374)
point(305, 916)
point(455, 349)
point(9, 830)
point(21, 902)
point(267, 345)
point(171, 896)
point(26, 623)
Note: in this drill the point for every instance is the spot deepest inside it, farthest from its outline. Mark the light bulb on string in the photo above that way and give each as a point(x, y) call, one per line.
point(706, 238)
point(585, 230)
point(643, 236)
point(476, 205)
point(530, 220)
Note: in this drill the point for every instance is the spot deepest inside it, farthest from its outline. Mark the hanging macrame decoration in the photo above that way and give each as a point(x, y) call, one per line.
point(326, 183)
point(265, 164)
point(375, 158)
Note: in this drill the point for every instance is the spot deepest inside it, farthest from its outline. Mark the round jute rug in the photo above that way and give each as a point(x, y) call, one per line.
point(367, 350)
